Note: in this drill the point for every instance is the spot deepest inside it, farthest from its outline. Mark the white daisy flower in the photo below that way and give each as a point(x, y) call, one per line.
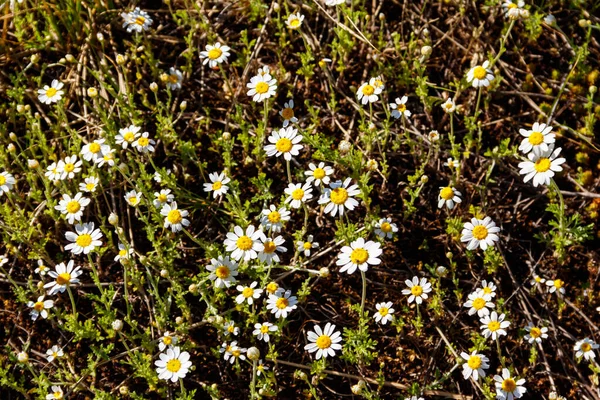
point(173, 365)
point(167, 340)
point(144, 144)
point(294, 21)
point(480, 303)
point(136, 21)
point(368, 92)
point(493, 325)
point(359, 254)
point(269, 249)
point(64, 275)
point(318, 175)
point(556, 285)
point(265, 70)
point(261, 368)
point(282, 303)
point(222, 271)
point(127, 136)
point(339, 196)
point(125, 252)
point(3, 260)
point(585, 348)
point(133, 198)
point(7, 182)
point(451, 163)
point(449, 106)
point(248, 293)
point(480, 233)
point(537, 279)
point(507, 388)
point(261, 87)
point(84, 240)
point(512, 9)
point(334, 2)
point(174, 218)
point(417, 290)
point(214, 54)
point(539, 137)
point(89, 184)
point(230, 329)
point(92, 151)
point(218, 184)
point(69, 167)
point(488, 288)
point(41, 269)
point(53, 172)
point(449, 196)
point(378, 83)
point(174, 79)
point(57, 394)
point(233, 352)
point(385, 228)
point(298, 194)
point(53, 353)
point(163, 197)
point(535, 333)
point(480, 75)
point(51, 94)
point(286, 141)
point(307, 245)
point(475, 365)
point(273, 219)
point(40, 307)
point(108, 157)
point(242, 245)
point(261, 331)
point(288, 113)
point(324, 341)
point(541, 165)
point(72, 207)
point(384, 312)
point(158, 177)
point(399, 108)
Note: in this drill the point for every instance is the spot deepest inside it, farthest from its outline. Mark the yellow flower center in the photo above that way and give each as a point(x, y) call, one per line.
point(319, 173)
point(386, 227)
point(536, 138)
point(262, 87)
point(274, 217)
point(236, 353)
point(214, 53)
point(51, 92)
point(173, 78)
point(307, 245)
point(493, 326)
point(90, 186)
point(298, 194)
point(231, 328)
point(139, 20)
point(162, 198)
point(378, 83)
point(129, 136)
point(323, 342)
point(542, 165)
point(264, 329)
point(339, 196)
point(269, 247)
point(368, 90)
point(73, 206)
point(558, 284)
point(84, 240)
point(480, 232)
point(282, 303)
point(247, 292)
point(447, 193)
point(222, 272)
point(173, 365)
point(272, 287)
point(585, 347)
point(283, 145)
point(57, 395)
point(123, 253)
point(487, 290)
point(64, 278)
point(535, 332)
point(359, 256)
point(143, 141)
point(478, 303)
point(2, 180)
point(416, 290)
point(294, 23)
point(509, 385)
point(287, 113)
point(69, 167)
point(133, 200)
point(383, 311)
point(217, 185)
point(538, 279)
point(479, 72)
point(474, 362)
point(94, 147)
point(244, 243)
point(174, 217)
point(401, 107)
point(511, 6)
point(38, 306)
point(167, 340)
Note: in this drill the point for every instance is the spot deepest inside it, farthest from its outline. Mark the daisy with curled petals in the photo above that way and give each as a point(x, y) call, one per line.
point(144, 144)
point(318, 175)
point(54, 352)
point(92, 151)
point(173, 365)
point(233, 352)
point(585, 348)
point(339, 196)
point(261, 87)
point(166, 340)
point(480, 303)
point(385, 312)
point(273, 219)
point(214, 54)
point(174, 218)
point(7, 181)
point(541, 165)
point(512, 9)
point(133, 198)
point(480, 75)
point(261, 331)
point(399, 108)
point(539, 137)
point(127, 136)
point(163, 197)
point(108, 157)
point(298, 194)
point(218, 184)
point(84, 240)
point(136, 21)
point(41, 269)
point(449, 196)
point(359, 254)
point(537, 280)
point(294, 21)
point(480, 233)
point(368, 92)
point(282, 303)
point(64, 275)
point(57, 394)
point(53, 172)
point(285, 142)
point(451, 163)
point(51, 94)
point(475, 365)
point(556, 285)
point(244, 246)
point(488, 288)
point(174, 79)
point(307, 246)
point(69, 167)
point(72, 207)
point(494, 326)
point(124, 253)
point(449, 106)
point(248, 293)
point(385, 228)
point(40, 307)
point(89, 184)
point(324, 341)
point(417, 290)
point(507, 388)
point(222, 271)
point(261, 368)
point(269, 250)
point(288, 113)
point(230, 329)
point(535, 333)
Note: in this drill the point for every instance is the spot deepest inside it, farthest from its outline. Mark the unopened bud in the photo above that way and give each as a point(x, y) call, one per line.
point(20, 108)
point(92, 92)
point(593, 89)
point(226, 136)
point(324, 272)
point(426, 51)
point(183, 105)
point(193, 288)
point(584, 23)
point(11, 148)
point(23, 357)
point(33, 164)
point(120, 59)
point(441, 271)
point(70, 58)
point(113, 219)
point(153, 87)
point(356, 389)
point(344, 146)
point(179, 320)
point(550, 20)
point(164, 273)
point(100, 37)
point(372, 165)
point(35, 58)
point(12, 136)
point(253, 354)
point(381, 16)
point(424, 179)
point(124, 390)
point(164, 77)
point(117, 325)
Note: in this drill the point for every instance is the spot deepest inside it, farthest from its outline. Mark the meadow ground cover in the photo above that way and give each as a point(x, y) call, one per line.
point(322, 199)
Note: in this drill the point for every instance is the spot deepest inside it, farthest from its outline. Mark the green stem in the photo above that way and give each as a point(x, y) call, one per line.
point(253, 383)
point(289, 171)
point(364, 293)
point(72, 302)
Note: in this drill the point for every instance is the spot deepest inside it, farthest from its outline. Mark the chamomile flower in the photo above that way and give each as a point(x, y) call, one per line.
point(480, 233)
point(51, 94)
point(556, 285)
point(264, 70)
point(214, 54)
point(89, 184)
point(69, 167)
point(63, 275)
point(40, 307)
point(84, 240)
point(124, 253)
point(72, 207)
point(286, 141)
point(448, 196)
point(318, 175)
point(218, 184)
point(273, 219)
point(537, 280)
point(92, 151)
point(324, 341)
point(53, 172)
point(166, 340)
point(493, 325)
point(585, 348)
point(294, 21)
point(535, 333)
point(261, 368)
point(480, 303)
point(507, 388)
point(399, 108)
point(488, 288)
point(272, 287)
point(339, 196)
point(334, 2)
point(261, 331)
point(3, 260)
point(480, 75)
point(385, 228)
point(133, 198)
point(368, 92)
point(242, 245)
point(144, 144)
point(261, 87)
point(174, 217)
point(541, 165)
point(288, 112)
point(136, 21)
point(174, 79)
point(53, 353)
point(108, 157)
point(7, 182)
point(248, 293)
point(475, 365)
point(41, 269)
point(270, 247)
point(222, 271)
point(173, 364)
point(57, 394)
point(451, 163)
point(282, 303)
point(449, 106)
point(127, 136)
point(233, 352)
point(512, 9)
point(163, 197)
point(417, 290)
point(307, 246)
point(359, 254)
point(298, 194)
point(539, 137)
point(230, 329)
point(385, 312)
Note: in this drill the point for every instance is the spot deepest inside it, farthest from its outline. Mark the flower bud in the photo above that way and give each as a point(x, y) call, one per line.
point(381, 16)
point(40, 285)
point(441, 271)
point(276, 7)
point(164, 273)
point(550, 20)
point(226, 136)
point(33, 164)
point(593, 89)
point(12, 136)
point(70, 58)
point(372, 165)
point(113, 219)
point(154, 87)
point(426, 51)
point(356, 389)
point(124, 390)
point(300, 375)
point(35, 58)
point(20, 108)
point(584, 23)
point(92, 92)
point(120, 59)
point(424, 179)
point(344, 146)
point(253, 354)
point(11, 148)
point(164, 77)
point(524, 13)
point(179, 320)
point(23, 357)
point(117, 325)
point(183, 105)
point(193, 288)
point(324, 272)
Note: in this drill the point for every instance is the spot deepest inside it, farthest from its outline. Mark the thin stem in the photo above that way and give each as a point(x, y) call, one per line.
point(500, 352)
point(289, 171)
point(253, 383)
point(72, 301)
point(364, 293)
